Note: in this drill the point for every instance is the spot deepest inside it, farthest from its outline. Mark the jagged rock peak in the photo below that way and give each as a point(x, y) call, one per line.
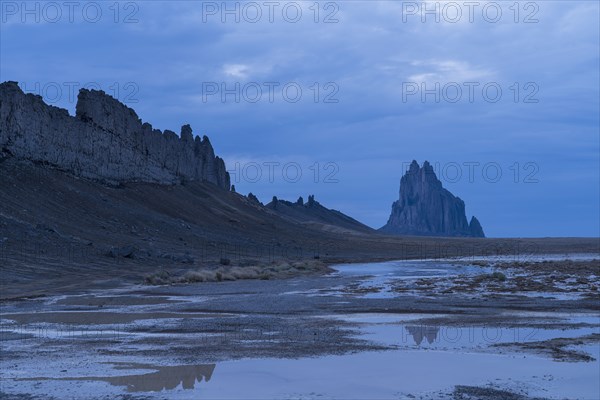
point(253, 198)
point(475, 228)
point(298, 203)
point(425, 208)
point(186, 134)
point(105, 140)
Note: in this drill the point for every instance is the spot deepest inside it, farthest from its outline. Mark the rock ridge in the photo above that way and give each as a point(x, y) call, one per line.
point(311, 211)
point(105, 141)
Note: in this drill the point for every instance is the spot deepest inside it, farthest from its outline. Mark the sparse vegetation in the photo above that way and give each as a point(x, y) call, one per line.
point(232, 273)
point(161, 277)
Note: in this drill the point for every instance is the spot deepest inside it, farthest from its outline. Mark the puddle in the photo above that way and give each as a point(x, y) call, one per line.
point(531, 257)
point(571, 318)
point(381, 375)
point(332, 291)
point(382, 318)
point(551, 295)
point(406, 331)
point(392, 375)
point(382, 280)
point(464, 338)
point(406, 269)
point(163, 377)
point(378, 280)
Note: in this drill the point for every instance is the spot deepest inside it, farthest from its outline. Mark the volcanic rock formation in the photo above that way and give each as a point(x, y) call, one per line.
point(312, 212)
point(425, 208)
point(105, 141)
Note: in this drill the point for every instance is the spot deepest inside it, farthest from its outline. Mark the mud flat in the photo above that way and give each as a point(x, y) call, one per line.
point(455, 328)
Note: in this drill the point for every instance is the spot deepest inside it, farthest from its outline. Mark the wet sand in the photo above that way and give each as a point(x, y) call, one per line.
point(388, 330)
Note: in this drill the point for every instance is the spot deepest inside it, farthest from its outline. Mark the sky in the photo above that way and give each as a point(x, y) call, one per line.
point(336, 98)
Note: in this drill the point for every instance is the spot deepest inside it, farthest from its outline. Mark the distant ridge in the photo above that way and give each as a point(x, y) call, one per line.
point(425, 208)
point(105, 141)
point(312, 212)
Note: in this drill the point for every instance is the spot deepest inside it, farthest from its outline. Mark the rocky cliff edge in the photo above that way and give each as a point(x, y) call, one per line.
point(104, 141)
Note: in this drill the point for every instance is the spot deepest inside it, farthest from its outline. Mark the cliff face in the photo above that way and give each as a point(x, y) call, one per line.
point(105, 141)
point(425, 208)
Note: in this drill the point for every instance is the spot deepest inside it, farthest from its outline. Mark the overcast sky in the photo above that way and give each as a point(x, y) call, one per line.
point(503, 100)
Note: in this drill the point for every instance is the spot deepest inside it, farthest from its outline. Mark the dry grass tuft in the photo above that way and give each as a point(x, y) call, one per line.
point(271, 270)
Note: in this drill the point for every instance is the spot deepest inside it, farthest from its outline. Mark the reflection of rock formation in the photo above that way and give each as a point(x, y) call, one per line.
point(165, 377)
point(420, 332)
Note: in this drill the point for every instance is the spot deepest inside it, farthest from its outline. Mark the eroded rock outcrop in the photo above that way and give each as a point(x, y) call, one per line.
point(475, 228)
point(312, 211)
point(106, 141)
point(425, 208)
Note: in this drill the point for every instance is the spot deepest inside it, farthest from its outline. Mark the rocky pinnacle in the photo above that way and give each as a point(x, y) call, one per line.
point(425, 208)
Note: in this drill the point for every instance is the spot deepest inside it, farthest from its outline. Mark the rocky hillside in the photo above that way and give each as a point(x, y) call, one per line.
point(104, 141)
point(313, 213)
point(426, 208)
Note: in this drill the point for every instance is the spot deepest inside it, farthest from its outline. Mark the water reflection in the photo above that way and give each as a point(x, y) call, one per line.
point(423, 332)
point(164, 377)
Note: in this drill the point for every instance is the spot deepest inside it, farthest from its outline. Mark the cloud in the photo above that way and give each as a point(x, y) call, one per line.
point(443, 71)
point(240, 71)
